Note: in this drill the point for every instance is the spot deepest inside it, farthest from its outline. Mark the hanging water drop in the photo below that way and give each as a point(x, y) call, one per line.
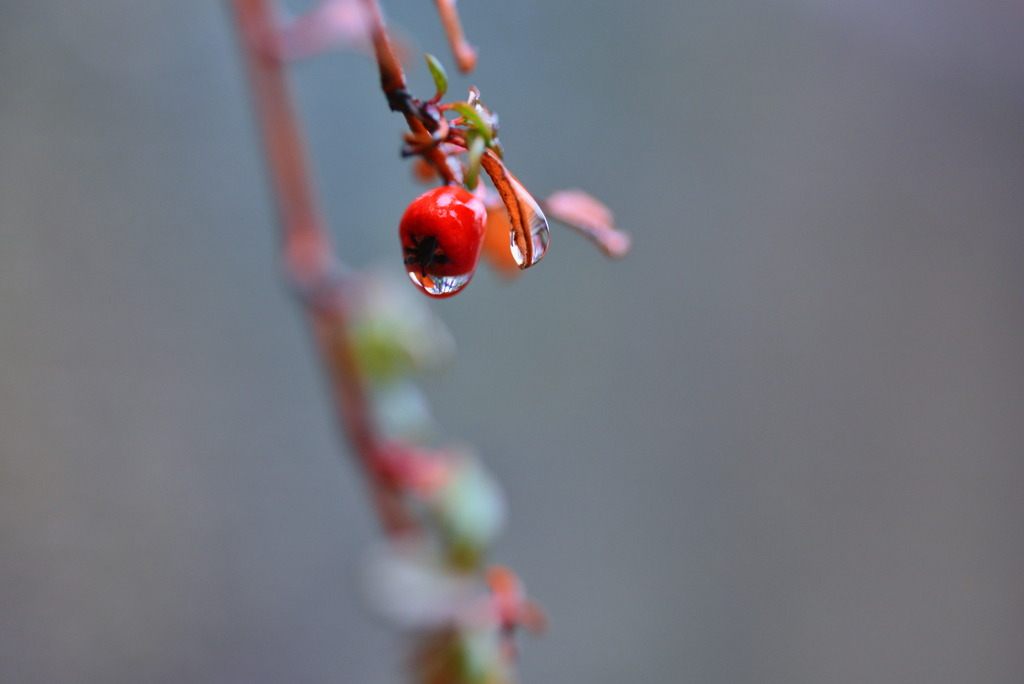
point(530, 235)
point(439, 286)
point(536, 227)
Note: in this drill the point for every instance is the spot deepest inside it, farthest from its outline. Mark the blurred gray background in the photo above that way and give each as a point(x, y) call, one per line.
point(782, 442)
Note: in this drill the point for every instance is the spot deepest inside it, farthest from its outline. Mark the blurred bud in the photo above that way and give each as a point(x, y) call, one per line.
point(483, 660)
point(394, 332)
point(510, 605)
point(469, 508)
point(461, 656)
point(465, 505)
point(405, 582)
point(466, 632)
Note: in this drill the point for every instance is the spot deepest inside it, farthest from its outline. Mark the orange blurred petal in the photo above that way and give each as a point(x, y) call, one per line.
point(496, 249)
point(423, 171)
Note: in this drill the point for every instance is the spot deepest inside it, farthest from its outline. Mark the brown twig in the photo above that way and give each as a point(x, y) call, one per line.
point(392, 82)
point(465, 55)
point(308, 252)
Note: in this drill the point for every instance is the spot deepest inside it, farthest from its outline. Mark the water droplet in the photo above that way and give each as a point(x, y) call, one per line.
point(530, 234)
point(539, 234)
point(439, 286)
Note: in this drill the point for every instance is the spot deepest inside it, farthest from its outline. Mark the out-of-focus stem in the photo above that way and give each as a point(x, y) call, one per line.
point(465, 55)
point(308, 252)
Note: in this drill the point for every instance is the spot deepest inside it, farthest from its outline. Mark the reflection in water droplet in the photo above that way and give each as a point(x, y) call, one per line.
point(540, 235)
point(439, 286)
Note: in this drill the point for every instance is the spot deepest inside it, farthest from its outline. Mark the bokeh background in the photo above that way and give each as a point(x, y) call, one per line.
point(782, 442)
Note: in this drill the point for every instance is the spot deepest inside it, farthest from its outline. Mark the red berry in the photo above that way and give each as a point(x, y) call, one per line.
point(442, 232)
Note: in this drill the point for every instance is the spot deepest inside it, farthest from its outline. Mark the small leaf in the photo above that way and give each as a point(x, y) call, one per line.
point(588, 216)
point(477, 145)
point(473, 118)
point(530, 234)
point(440, 77)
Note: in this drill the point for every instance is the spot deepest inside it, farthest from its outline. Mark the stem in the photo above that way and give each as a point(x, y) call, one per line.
point(308, 252)
point(392, 82)
point(392, 78)
point(465, 55)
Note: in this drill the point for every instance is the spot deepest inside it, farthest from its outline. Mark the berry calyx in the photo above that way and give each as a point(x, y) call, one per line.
point(442, 231)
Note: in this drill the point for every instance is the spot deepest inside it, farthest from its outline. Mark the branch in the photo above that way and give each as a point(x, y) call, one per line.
point(465, 507)
point(465, 55)
point(392, 82)
point(308, 253)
